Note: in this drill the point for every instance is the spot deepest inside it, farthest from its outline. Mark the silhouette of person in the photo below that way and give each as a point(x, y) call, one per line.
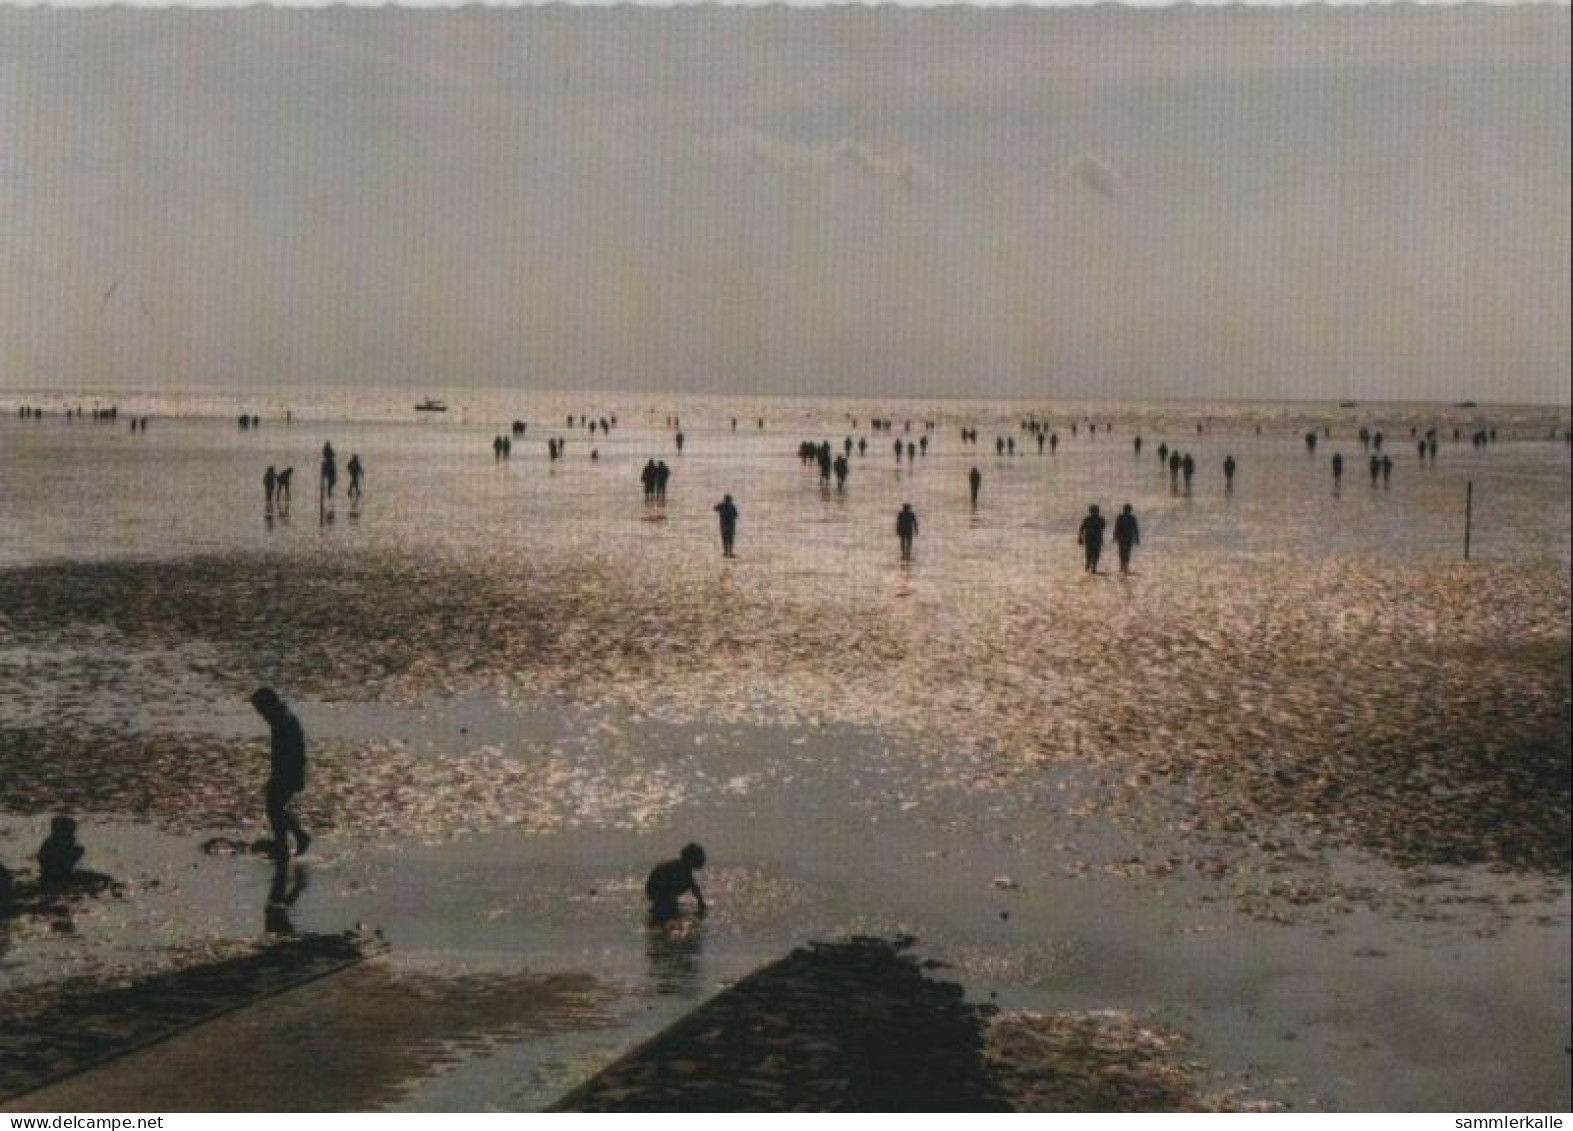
point(662, 474)
point(1138, 444)
point(285, 477)
point(841, 467)
point(671, 880)
point(906, 529)
point(1387, 469)
point(357, 472)
point(287, 775)
point(728, 512)
point(974, 481)
point(679, 438)
point(1090, 538)
point(59, 855)
point(330, 469)
point(1338, 466)
point(270, 483)
point(1126, 536)
point(647, 478)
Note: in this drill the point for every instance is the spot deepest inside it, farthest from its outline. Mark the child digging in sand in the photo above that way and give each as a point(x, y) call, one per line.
point(671, 880)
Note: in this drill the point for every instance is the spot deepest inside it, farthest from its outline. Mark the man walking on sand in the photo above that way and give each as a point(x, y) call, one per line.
point(727, 509)
point(1126, 535)
point(906, 528)
point(1090, 535)
point(287, 776)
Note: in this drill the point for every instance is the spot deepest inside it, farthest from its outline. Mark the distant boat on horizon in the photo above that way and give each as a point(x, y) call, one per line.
point(1347, 404)
point(1464, 404)
point(430, 405)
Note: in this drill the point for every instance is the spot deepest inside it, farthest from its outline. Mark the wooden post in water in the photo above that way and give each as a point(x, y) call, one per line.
point(1469, 514)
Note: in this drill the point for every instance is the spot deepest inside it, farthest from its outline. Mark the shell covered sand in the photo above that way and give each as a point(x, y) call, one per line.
point(1230, 712)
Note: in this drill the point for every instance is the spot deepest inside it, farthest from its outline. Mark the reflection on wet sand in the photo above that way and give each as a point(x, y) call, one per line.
point(289, 883)
point(673, 948)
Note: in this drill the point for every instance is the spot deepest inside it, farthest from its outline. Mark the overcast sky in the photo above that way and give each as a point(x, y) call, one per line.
point(1311, 203)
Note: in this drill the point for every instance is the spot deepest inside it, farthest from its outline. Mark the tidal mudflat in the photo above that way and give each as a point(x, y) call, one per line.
point(1295, 794)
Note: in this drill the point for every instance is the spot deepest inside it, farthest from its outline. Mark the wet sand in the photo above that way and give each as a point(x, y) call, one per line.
point(356, 1039)
point(55, 1032)
point(851, 1026)
point(858, 1026)
point(1375, 708)
point(1308, 809)
point(1322, 1005)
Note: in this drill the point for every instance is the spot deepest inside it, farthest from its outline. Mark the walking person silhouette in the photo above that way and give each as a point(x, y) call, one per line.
point(728, 512)
point(906, 529)
point(1126, 536)
point(287, 770)
point(330, 469)
point(1090, 537)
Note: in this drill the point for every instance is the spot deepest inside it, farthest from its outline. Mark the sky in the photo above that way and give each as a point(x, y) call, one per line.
point(1303, 203)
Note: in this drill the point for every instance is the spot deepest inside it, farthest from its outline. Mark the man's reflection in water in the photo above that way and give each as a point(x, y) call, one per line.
point(289, 881)
point(673, 947)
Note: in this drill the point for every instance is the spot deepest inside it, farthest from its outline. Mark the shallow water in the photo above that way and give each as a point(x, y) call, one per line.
point(192, 484)
point(1305, 772)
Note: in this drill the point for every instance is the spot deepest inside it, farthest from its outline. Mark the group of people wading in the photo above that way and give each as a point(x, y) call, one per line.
point(276, 484)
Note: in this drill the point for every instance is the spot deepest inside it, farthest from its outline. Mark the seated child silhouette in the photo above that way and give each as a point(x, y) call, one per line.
point(59, 855)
